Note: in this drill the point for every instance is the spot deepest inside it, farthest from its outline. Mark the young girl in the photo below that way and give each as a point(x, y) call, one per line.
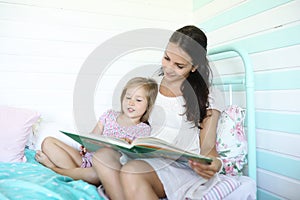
point(186, 113)
point(137, 99)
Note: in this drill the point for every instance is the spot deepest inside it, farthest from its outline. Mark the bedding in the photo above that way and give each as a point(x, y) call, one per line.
point(232, 140)
point(16, 125)
point(31, 180)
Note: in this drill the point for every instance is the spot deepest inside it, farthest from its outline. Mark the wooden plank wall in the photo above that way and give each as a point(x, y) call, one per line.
point(269, 31)
point(43, 45)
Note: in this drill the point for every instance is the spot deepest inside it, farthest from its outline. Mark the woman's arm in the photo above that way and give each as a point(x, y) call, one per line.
point(208, 133)
point(208, 145)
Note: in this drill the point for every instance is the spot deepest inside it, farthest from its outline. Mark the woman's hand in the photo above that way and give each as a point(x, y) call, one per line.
point(205, 170)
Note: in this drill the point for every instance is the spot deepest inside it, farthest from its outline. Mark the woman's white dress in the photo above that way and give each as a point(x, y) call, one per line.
point(170, 124)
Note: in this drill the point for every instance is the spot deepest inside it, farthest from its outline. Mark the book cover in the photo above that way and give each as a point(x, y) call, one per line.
point(144, 147)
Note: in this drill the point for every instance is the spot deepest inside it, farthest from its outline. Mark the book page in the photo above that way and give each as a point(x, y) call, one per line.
point(108, 140)
point(156, 143)
point(145, 147)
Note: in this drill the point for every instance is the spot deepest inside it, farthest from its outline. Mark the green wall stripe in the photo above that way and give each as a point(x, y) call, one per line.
point(238, 13)
point(279, 38)
point(282, 122)
point(278, 80)
point(200, 3)
point(278, 164)
point(264, 195)
point(272, 80)
point(282, 37)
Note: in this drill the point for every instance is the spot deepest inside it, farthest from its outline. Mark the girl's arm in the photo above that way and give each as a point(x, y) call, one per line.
point(98, 128)
point(208, 145)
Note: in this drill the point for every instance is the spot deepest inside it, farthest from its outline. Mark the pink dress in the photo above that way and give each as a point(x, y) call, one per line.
point(113, 129)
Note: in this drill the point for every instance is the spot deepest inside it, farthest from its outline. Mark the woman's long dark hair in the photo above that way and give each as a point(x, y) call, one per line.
point(195, 88)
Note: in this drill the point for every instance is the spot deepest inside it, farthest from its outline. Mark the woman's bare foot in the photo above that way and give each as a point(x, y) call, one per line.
point(43, 159)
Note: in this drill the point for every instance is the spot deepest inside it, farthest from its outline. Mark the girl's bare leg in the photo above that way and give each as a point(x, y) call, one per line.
point(106, 163)
point(86, 174)
point(65, 160)
point(60, 154)
point(140, 181)
point(43, 159)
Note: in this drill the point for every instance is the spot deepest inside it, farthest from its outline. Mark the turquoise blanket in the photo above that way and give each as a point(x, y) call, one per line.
point(31, 180)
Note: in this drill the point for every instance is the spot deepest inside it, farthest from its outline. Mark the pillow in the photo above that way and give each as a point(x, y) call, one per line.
point(47, 129)
point(15, 127)
point(224, 187)
point(232, 141)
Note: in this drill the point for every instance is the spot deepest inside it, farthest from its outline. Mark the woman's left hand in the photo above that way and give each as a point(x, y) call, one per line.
point(205, 170)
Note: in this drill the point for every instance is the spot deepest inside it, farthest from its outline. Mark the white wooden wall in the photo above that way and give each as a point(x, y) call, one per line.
point(43, 45)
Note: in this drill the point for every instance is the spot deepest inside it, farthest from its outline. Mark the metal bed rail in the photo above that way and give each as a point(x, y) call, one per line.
point(248, 81)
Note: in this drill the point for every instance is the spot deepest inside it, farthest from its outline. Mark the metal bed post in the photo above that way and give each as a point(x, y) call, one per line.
point(249, 84)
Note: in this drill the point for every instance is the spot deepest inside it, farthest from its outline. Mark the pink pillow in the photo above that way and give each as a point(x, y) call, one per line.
point(15, 128)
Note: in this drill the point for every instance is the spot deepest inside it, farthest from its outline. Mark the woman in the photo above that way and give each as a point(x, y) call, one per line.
point(186, 113)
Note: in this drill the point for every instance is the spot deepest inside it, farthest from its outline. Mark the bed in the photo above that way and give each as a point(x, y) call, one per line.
point(25, 178)
point(247, 180)
point(31, 180)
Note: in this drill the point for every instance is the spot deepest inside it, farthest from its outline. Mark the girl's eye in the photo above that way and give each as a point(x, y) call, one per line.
point(167, 58)
point(127, 97)
point(139, 100)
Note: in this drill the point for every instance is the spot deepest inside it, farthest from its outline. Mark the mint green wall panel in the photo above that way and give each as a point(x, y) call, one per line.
point(264, 195)
point(247, 9)
point(199, 3)
point(278, 80)
point(282, 122)
point(271, 80)
point(279, 38)
point(279, 164)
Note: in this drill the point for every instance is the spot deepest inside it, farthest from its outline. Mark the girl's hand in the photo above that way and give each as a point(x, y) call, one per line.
point(128, 140)
point(82, 150)
point(205, 170)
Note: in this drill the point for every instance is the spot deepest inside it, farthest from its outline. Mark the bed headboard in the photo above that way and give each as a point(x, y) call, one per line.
point(248, 81)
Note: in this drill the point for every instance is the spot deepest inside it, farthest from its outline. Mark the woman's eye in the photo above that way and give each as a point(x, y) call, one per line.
point(166, 58)
point(180, 67)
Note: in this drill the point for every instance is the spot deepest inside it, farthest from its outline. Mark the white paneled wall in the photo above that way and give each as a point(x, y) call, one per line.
point(43, 45)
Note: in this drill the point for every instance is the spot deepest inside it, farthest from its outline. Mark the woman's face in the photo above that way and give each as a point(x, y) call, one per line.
point(176, 63)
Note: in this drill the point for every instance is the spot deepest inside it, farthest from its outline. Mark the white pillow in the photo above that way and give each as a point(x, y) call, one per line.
point(50, 129)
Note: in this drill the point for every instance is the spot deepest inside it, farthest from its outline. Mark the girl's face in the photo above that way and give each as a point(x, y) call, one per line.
point(135, 103)
point(176, 63)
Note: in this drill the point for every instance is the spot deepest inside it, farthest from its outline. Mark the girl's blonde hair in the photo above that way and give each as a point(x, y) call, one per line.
point(151, 88)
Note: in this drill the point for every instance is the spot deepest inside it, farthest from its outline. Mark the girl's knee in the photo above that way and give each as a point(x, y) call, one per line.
point(47, 142)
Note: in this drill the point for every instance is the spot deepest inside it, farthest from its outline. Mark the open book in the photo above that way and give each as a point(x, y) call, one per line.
point(144, 147)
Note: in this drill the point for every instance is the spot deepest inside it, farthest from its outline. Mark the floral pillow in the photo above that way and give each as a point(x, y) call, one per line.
point(232, 141)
